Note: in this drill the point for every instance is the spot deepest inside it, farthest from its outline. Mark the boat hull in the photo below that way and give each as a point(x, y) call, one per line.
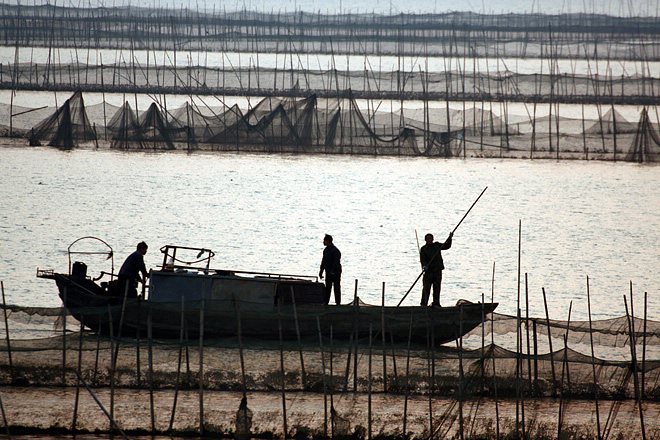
point(229, 317)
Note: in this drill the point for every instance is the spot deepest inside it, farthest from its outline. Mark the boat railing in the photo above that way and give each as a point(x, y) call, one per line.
point(172, 262)
point(201, 262)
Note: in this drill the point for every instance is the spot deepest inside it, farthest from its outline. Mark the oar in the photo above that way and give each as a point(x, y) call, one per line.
point(452, 233)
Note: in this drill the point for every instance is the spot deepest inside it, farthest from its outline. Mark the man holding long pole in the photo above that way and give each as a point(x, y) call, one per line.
point(430, 256)
point(425, 297)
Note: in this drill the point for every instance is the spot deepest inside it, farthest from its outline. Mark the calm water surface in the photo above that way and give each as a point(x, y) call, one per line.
point(270, 212)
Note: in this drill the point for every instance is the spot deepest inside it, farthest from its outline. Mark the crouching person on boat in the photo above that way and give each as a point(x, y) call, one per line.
point(430, 256)
point(133, 271)
point(331, 264)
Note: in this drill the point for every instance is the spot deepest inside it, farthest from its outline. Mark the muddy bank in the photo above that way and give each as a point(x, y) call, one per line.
point(42, 409)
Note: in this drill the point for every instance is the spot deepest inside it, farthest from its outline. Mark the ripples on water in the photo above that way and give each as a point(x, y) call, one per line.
point(270, 212)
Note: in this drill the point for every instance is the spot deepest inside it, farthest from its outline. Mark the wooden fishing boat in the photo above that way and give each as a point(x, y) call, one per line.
point(192, 297)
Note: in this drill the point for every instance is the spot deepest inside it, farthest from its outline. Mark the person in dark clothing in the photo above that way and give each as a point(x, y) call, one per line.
point(331, 264)
point(130, 271)
point(430, 256)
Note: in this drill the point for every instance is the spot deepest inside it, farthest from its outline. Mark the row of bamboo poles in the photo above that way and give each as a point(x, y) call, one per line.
point(448, 34)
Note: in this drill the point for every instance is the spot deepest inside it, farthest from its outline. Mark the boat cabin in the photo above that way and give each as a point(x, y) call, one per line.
point(196, 280)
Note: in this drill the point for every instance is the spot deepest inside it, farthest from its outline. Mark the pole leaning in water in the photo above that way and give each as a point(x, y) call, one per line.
point(452, 232)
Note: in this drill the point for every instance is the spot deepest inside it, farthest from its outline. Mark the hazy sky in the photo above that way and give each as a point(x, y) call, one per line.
point(609, 7)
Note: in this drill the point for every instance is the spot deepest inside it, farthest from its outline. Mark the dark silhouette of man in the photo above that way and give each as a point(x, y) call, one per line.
point(130, 271)
point(430, 256)
point(331, 264)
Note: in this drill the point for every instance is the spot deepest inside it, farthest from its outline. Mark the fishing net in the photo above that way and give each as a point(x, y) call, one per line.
point(67, 127)
point(645, 146)
point(45, 347)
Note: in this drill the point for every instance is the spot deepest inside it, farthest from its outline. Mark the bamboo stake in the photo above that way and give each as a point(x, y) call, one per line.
point(369, 415)
point(303, 377)
point(178, 365)
point(644, 348)
point(4, 310)
point(405, 400)
point(201, 368)
point(492, 353)
point(325, 399)
point(282, 372)
point(64, 295)
point(112, 365)
point(461, 379)
point(593, 363)
point(552, 360)
point(529, 365)
point(113, 424)
point(239, 332)
point(355, 339)
point(382, 331)
point(4, 418)
point(151, 367)
point(562, 408)
point(633, 355)
point(77, 398)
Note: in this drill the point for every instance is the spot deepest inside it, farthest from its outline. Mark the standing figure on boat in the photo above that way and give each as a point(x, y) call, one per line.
point(430, 256)
point(130, 271)
point(331, 264)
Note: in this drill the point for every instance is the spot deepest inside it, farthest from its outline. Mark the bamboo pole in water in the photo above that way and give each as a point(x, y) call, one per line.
point(325, 399)
point(178, 365)
point(529, 365)
point(150, 350)
point(405, 400)
point(239, 332)
point(4, 418)
point(552, 361)
point(64, 295)
point(564, 368)
point(355, 339)
point(642, 386)
point(78, 369)
point(300, 350)
point(492, 354)
point(201, 367)
point(382, 331)
point(112, 364)
point(285, 429)
point(137, 345)
point(461, 377)
point(369, 383)
point(633, 355)
point(4, 310)
point(113, 423)
point(593, 363)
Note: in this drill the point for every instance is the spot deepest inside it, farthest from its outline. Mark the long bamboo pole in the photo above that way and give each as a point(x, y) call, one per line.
point(593, 363)
point(382, 331)
point(201, 368)
point(405, 400)
point(303, 377)
point(434, 256)
point(8, 339)
point(325, 386)
point(285, 429)
point(178, 365)
point(113, 423)
point(150, 354)
point(492, 353)
point(78, 369)
point(552, 360)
